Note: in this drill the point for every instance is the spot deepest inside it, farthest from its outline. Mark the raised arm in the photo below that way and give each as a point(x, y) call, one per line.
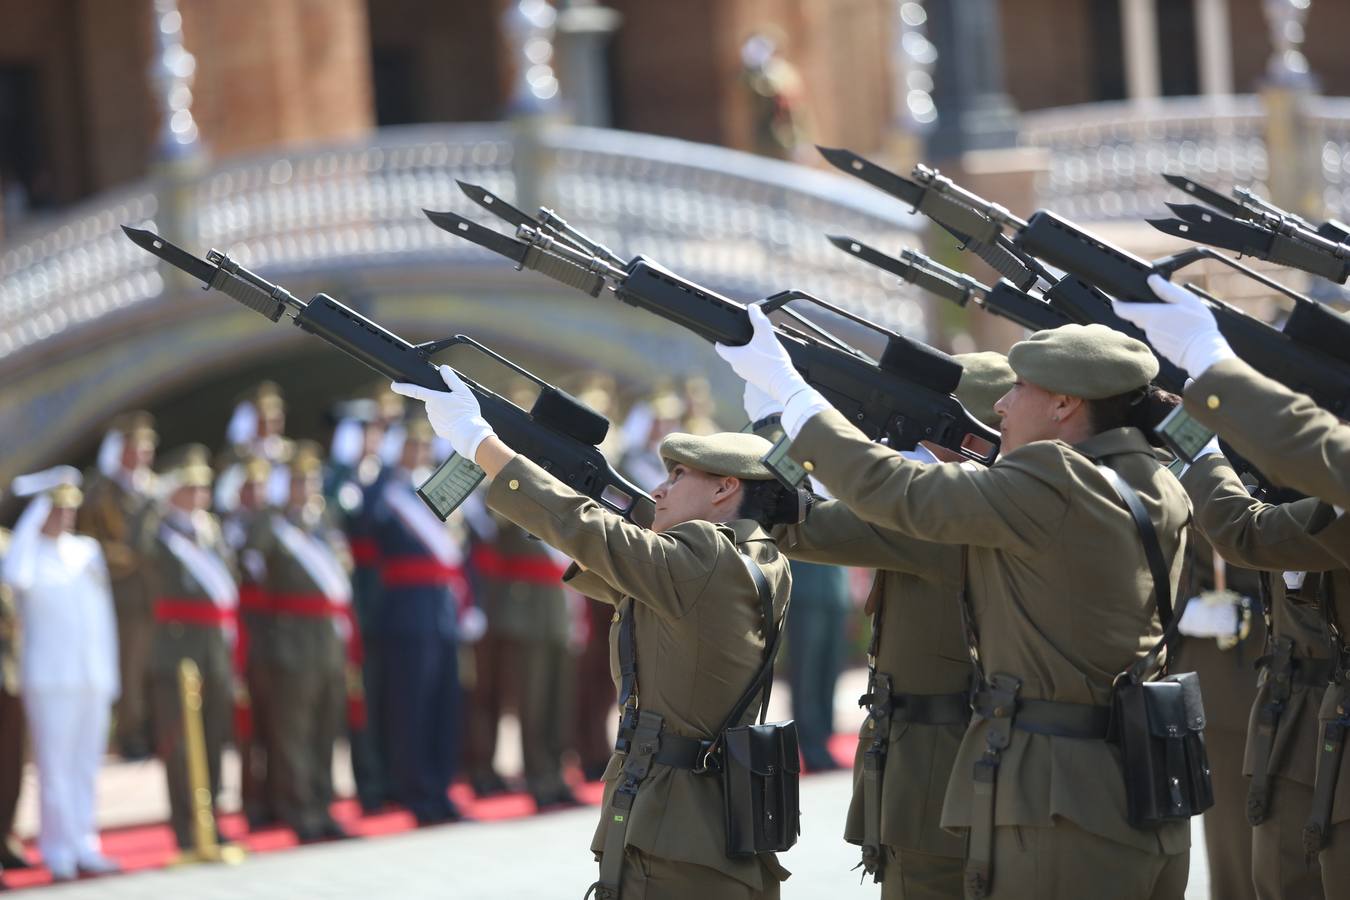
point(1247, 532)
point(1018, 503)
point(1283, 433)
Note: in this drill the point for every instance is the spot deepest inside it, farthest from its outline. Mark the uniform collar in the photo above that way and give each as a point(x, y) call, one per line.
point(747, 530)
point(1115, 442)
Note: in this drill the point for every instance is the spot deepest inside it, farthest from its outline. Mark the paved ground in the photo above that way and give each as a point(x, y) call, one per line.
point(544, 856)
point(540, 857)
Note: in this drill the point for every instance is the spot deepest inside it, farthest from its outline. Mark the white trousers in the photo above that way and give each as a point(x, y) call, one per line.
point(69, 729)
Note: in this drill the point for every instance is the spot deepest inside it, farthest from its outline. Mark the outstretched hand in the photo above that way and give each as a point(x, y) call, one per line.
point(763, 361)
point(454, 414)
point(1181, 328)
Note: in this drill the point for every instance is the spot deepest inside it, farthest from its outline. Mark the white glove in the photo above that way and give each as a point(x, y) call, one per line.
point(758, 404)
point(764, 361)
point(454, 414)
point(1181, 328)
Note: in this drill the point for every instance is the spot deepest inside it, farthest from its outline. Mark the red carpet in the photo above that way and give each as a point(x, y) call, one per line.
point(139, 847)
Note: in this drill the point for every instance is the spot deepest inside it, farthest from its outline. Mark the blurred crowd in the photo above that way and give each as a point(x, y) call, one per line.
point(318, 598)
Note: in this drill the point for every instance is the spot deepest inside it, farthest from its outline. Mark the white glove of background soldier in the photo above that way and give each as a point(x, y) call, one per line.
point(1181, 328)
point(454, 414)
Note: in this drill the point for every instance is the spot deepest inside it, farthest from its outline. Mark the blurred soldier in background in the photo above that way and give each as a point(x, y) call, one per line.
point(305, 586)
point(815, 653)
point(595, 706)
point(117, 496)
point(648, 422)
point(414, 632)
point(256, 428)
point(69, 667)
point(11, 720)
point(196, 600)
point(1225, 640)
point(353, 466)
point(251, 717)
point(522, 655)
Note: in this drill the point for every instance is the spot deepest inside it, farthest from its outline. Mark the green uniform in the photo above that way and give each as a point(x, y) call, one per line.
point(112, 514)
point(251, 719)
point(189, 624)
point(1228, 678)
point(1285, 734)
point(922, 648)
point(1050, 547)
point(524, 653)
point(12, 722)
point(301, 659)
point(1283, 433)
point(698, 645)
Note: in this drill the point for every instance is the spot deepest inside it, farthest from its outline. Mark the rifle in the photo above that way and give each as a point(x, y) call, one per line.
point(1251, 226)
point(904, 397)
point(1311, 354)
point(559, 432)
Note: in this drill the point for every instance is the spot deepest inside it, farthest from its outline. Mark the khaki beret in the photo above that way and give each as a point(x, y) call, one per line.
point(1089, 361)
point(138, 425)
point(307, 458)
point(727, 453)
point(985, 377)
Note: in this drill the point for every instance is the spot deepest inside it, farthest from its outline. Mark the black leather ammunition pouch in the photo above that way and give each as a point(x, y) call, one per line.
point(760, 767)
point(1160, 727)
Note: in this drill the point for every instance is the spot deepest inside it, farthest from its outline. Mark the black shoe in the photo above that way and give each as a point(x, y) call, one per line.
point(12, 855)
point(489, 785)
point(309, 835)
point(559, 798)
point(332, 831)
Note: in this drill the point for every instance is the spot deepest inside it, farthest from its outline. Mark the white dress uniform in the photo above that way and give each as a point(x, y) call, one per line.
point(69, 680)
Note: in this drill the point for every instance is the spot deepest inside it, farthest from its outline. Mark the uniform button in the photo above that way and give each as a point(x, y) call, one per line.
point(615, 618)
point(513, 484)
point(809, 466)
point(1212, 401)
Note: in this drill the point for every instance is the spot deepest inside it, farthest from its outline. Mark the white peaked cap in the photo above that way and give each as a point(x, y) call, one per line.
point(46, 480)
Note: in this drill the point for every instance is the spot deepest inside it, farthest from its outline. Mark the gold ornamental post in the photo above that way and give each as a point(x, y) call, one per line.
point(206, 848)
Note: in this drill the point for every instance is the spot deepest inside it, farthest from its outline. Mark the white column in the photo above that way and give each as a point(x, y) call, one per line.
point(1214, 47)
point(1139, 31)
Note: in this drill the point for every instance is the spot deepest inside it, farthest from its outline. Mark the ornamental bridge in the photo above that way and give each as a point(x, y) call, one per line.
point(90, 324)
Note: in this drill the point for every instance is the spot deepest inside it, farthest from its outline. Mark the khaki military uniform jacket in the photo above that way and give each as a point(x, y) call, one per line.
point(310, 641)
point(699, 643)
point(1279, 538)
point(208, 645)
point(1059, 587)
point(117, 518)
point(521, 587)
point(922, 647)
point(1283, 433)
point(9, 628)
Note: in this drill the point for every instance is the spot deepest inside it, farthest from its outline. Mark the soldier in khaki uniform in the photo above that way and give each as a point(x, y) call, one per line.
point(1298, 445)
point(305, 583)
point(195, 606)
point(117, 497)
point(251, 717)
point(1282, 746)
point(11, 721)
point(523, 653)
point(919, 694)
point(1060, 593)
point(696, 621)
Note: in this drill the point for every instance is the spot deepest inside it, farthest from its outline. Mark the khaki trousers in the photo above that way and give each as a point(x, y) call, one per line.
point(303, 716)
point(131, 713)
point(1280, 869)
point(647, 877)
point(911, 875)
point(1064, 862)
point(1228, 837)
